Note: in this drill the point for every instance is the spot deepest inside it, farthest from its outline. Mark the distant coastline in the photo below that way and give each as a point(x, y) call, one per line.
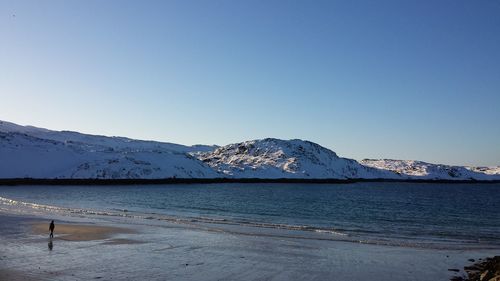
point(39, 156)
point(33, 181)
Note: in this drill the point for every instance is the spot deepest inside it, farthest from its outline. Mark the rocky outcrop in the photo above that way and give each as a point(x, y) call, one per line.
point(484, 270)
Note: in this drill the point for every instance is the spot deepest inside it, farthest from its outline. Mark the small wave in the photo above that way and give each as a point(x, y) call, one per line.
point(267, 225)
point(27, 206)
point(330, 231)
point(11, 202)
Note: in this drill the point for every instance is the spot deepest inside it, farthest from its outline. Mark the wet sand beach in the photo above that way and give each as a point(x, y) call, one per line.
point(79, 232)
point(123, 249)
point(12, 275)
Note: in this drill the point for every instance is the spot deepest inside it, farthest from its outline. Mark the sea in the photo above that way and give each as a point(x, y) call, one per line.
point(437, 215)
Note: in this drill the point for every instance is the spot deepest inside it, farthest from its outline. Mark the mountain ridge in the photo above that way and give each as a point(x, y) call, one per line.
point(31, 152)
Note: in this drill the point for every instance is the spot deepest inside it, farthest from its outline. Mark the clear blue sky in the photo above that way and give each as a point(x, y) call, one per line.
point(367, 79)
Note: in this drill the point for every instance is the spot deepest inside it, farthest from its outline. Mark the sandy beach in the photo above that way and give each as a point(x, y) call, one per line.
point(123, 249)
point(80, 232)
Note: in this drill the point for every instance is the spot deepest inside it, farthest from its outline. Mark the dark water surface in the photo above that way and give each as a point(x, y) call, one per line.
point(467, 213)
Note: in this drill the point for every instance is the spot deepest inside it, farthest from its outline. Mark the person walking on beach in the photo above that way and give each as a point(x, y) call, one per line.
point(51, 228)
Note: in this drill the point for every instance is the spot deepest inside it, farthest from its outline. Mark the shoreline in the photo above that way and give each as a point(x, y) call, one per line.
point(124, 248)
point(37, 181)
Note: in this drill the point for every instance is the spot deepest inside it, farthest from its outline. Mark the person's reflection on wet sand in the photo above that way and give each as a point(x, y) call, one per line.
point(50, 245)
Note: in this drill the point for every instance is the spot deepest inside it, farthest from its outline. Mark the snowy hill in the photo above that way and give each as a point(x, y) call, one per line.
point(30, 152)
point(99, 141)
point(412, 169)
point(274, 158)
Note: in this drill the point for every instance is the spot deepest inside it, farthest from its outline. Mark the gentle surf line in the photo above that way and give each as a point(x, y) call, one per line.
point(333, 235)
point(187, 220)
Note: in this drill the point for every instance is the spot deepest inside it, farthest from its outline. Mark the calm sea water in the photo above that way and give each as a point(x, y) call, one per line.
point(467, 213)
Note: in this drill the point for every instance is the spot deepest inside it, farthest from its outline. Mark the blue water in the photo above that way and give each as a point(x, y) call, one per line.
point(456, 212)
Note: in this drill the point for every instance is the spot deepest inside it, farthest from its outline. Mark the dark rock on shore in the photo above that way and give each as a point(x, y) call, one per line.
point(484, 270)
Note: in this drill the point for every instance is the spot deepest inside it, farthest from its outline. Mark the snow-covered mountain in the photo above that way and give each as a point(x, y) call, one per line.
point(274, 158)
point(412, 169)
point(99, 141)
point(30, 152)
